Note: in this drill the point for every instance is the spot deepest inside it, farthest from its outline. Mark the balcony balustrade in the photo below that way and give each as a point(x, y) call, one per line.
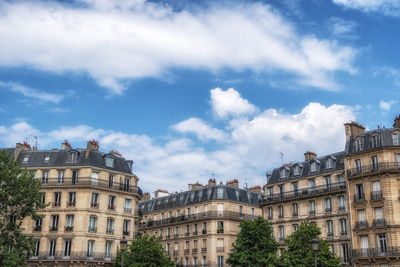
point(186, 251)
point(220, 249)
point(373, 168)
point(194, 251)
point(78, 256)
point(361, 225)
point(376, 252)
point(203, 250)
point(379, 223)
point(359, 198)
point(37, 228)
point(176, 235)
point(176, 252)
point(195, 233)
point(53, 228)
point(69, 228)
point(376, 195)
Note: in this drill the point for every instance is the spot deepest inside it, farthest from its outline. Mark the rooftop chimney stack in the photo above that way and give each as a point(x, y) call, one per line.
point(396, 123)
point(65, 145)
point(256, 189)
point(353, 128)
point(309, 155)
point(19, 147)
point(146, 196)
point(212, 182)
point(233, 183)
point(91, 145)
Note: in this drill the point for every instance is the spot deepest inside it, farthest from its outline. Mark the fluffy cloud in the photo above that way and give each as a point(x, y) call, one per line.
point(387, 7)
point(386, 105)
point(252, 146)
point(32, 93)
point(114, 41)
point(229, 103)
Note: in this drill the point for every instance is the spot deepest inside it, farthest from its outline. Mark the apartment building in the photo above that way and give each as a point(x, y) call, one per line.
point(197, 227)
point(313, 190)
point(373, 172)
point(91, 199)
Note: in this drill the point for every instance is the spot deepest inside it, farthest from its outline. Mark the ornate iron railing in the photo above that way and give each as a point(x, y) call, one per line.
point(373, 168)
point(376, 252)
point(79, 256)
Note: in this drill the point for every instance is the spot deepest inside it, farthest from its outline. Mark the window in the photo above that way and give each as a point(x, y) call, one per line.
point(95, 178)
point(270, 192)
point(343, 227)
point(296, 170)
point(281, 232)
point(36, 248)
point(358, 145)
point(329, 163)
point(128, 208)
point(311, 184)
point(295, 187)
point(71, 198)
point(328, 183)
point(52, 248)
point(329, 226)
point(280, 211)
point(358, 166)
point(60, 177)
point(341, 181)
point(379, 213)
point(45, 177)
point(283, 173)
point(43, 197)
point(72, 156)
point(240, 211)
point(127, 228)
point(220, 193)
point(107, 254)
point(270, 213)
point(54, 222)
point(46, 158)
point(220, 227)
point(110, 181)
point(70, 222)
point(220, 243)
point(382, 243)
point(374, 162)
point(90, 248)
point(361, 216)
point(127, 184)
point(376, 190)
point(110, 226)
point(220, 209)
point(67, 248)
point(111, 202)
point(252, 213)
point(75, 175)
point(57, 199)
point(295, 227)
point(94, 202)
point(294, 210)
point(311, 207)
point(328, 204)
point(359, 194)
point(281, 191)
point(93, 224)
point(364, 244)
point(38, 225)
point(345, 253)
point(109, 161)
point(375, 141)
point(220, 261)
point(341, 203)
point(313, 167)
point(396, 139)
point(25, 159)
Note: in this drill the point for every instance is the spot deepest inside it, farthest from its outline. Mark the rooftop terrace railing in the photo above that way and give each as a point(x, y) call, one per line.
point(373, 168)
point(304, 193)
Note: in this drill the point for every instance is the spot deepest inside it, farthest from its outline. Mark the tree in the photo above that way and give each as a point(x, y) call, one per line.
point(19, 198)
point(254, 245)
point(299, 252)
point(145, 251)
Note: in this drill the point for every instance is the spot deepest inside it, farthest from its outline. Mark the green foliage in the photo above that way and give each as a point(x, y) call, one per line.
point(299, 252)
point(145, 251)
point(19, 198)
point(254, 245)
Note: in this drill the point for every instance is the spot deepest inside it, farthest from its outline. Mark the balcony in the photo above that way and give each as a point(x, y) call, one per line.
point(92, 229)
point(195, 233)
point(75, 256)
point(342, 208)
point(311, 212)
point(343, 233)
point(53, 228)
point(127, 210)
point(329, 234)
point(194, 251)
point(210, 215)
point(359, 198)
point(376, 252)
point(84, 182)
point(204, 231)
point(55, 204)
point(328, 210)
point(373, 168)
point(304, 193)
point(111, 207)
point(94, 205)
point(110, 231)
point(203, 250)
point(127, 233)
point(71, 204)
point(186, 251)
point(378, 223)
point(176, 252)
point(37, 228)
point(220, 230)
point(220, 249)
point(168, 236)
point(176, 235)
point(187, 234)
point(361, 225)
point(69, 228)
point(376, 195)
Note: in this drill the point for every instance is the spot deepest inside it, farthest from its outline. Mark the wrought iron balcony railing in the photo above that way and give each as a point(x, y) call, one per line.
point(376, 252)
point(361, 225)
point(304, 193)
point(379, 223)
point(81, 256)
point(376, 195)
point(373, 168)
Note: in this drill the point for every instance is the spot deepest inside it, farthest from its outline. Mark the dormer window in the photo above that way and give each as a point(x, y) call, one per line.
point(358, 145)
point(284, 172)
point(46, 158)
point(72, 156)
point(25, 159)
point(297, 169)
point(375, 141)
point(109, 161)
point(313, 167)
point(396, 139)
point(329, 163)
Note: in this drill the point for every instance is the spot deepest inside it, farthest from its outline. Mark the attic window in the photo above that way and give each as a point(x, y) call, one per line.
point(329, 163)
point(26, 159)
point(313, 167)
point(46, 158)
point(358, 145)
point(72, 156)
point(220, 193)
point(109, 161)
point(296, 170)
point(283, 173)
point(396, 139)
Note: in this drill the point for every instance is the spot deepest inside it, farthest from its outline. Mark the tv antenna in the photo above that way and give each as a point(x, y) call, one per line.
point(36, 141)
point(281, 157)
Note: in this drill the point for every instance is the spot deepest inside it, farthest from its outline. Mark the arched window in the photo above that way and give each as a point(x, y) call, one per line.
point(109, 161)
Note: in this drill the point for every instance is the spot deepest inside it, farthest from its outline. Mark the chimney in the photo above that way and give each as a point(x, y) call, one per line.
point(195, 186)
point(146, 196)
point(396, 123)
point(161, 193)
point(233, 183)
point(91, 145)
point(212, 182)
point(309, 155)
point(256, 189)
point(19, 147)
point(65, 145)
point(353, 128)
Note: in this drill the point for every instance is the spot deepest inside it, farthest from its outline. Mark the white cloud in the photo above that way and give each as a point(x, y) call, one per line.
point(117, 41)
point(252, 144)
point(386, 7)
point(386, 105)
point(389, 72)
point(342, 28)
point(32, 93)
point(202, 130)
point(230, 103)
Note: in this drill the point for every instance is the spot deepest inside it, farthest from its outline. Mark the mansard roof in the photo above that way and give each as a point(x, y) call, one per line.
point(201, 195)
point(305, 168)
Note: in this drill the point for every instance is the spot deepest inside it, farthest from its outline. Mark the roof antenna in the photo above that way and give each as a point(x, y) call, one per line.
point(281, 157)
point(36, 141)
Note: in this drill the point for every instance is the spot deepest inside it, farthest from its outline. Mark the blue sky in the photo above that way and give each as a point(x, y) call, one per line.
point(195, 89)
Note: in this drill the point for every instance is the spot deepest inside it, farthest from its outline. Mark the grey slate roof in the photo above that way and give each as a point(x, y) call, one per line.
point(385, 135)
point(58, 158)
point(305, 171)
point(199, 196)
